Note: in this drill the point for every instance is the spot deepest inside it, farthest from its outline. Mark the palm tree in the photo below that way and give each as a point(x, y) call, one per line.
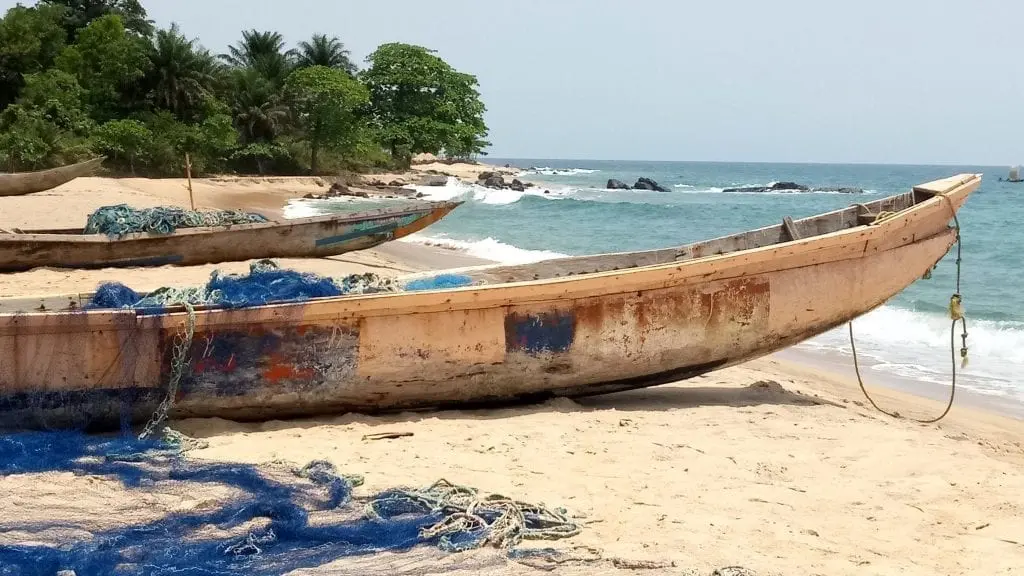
point(256, 107)
point(263, 52)
point(182, 74)
point(324, 51)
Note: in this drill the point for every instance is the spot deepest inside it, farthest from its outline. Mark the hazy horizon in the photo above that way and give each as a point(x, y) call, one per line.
point(794, 81)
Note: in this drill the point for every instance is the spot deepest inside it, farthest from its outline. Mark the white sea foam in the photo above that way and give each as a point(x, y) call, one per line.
point(457, 189)
point(916, 345)
point(488, 248)
point(546, 171)
point(305, 208)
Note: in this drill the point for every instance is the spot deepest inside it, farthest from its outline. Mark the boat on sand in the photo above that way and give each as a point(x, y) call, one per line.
point(565, 327)
point(314, 237)
point(20, 183)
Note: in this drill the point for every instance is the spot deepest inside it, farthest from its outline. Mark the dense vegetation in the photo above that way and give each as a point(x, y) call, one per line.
point(86, 77)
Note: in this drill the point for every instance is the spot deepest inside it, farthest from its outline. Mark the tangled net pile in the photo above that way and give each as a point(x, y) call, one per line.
point(266, 283)
point(120, 220)
point(278, 519)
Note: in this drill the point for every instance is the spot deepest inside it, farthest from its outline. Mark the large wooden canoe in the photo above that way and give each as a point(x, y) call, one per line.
point(314, 237)
point(19, 183)
point(565, 327)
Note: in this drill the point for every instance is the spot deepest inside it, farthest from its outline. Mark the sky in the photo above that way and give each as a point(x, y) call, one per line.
point(894, 81)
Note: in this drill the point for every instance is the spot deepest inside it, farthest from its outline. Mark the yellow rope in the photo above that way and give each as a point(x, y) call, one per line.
point(956, 314)
point(882, 217)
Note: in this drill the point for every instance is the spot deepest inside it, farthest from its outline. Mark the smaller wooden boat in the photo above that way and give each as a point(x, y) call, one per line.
point(315, 237)
point(20, 183)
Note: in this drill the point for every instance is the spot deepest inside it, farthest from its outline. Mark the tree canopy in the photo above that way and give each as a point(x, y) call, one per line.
point(326, 104)
point(419, 103)
point(86, 77)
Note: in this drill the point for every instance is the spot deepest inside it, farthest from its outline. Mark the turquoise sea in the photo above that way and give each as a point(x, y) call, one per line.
point(906, 339)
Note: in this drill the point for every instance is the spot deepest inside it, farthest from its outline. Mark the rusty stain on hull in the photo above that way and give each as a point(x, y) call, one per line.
point(592, 333)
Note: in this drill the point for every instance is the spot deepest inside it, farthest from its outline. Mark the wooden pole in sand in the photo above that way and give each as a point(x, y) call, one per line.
point(188, 175)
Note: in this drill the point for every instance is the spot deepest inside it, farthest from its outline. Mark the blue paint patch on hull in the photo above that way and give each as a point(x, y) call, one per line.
point(369, 228)
point(547, 332)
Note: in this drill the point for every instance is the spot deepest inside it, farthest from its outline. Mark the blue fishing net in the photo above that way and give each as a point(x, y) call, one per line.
point(439, 282)
point(276, 521)
point(121, 219)
point(265, 284)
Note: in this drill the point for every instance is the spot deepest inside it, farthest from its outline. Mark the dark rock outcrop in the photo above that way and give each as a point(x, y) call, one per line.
point(648, 184)
point(486, 175)
point(337, 190)
point(517, 186)
point(495, 181)
point(614, 184)
point(776, 187)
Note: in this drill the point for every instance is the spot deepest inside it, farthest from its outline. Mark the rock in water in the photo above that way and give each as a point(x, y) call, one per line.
point(776, 187)
point(517, 186)
point(648, 184)
point(614, 184)
point(486, 175)
point(495, 181)
point(788, 186)
point(436, 180)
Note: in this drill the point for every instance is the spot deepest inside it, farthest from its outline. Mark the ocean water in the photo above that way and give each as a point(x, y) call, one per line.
point(571, 213)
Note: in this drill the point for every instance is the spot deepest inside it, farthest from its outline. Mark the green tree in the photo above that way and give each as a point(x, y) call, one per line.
point(30, 39)
point(22, 144)
point(78, 14)
point(420, 103)
point(125, 141)
point(55, 96)
point(181, 75)
point(263, 52)
point(256, 107)
point(29, 141)
point(108, 63)
point(326, 105)
point(324, 51)
point(261, 154)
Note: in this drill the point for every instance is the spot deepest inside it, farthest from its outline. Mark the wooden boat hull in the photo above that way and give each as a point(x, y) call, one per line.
point(601, 332)
point(21, 183)
point(301, 238)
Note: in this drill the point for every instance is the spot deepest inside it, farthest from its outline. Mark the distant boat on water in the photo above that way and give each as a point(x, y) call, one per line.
point(1014, 175)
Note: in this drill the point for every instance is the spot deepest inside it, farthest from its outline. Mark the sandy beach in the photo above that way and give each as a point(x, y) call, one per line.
point(779, 467)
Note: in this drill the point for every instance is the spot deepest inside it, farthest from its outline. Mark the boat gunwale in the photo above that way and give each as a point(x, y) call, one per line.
point(19, 180)
point(387, 212)
point(369, 303)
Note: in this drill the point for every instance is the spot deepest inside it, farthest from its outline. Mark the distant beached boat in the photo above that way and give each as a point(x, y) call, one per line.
point(21, 183)
point(314, 237)
point(565, 327)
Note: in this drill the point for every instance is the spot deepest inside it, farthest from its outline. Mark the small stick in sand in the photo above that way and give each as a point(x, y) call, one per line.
point(188, 176)
point(386, 435)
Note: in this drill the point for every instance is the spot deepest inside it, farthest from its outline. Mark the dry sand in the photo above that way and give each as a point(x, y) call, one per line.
point(774, 466)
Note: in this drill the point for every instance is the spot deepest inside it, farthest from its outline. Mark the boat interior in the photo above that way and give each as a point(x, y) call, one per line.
point(787, 230)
